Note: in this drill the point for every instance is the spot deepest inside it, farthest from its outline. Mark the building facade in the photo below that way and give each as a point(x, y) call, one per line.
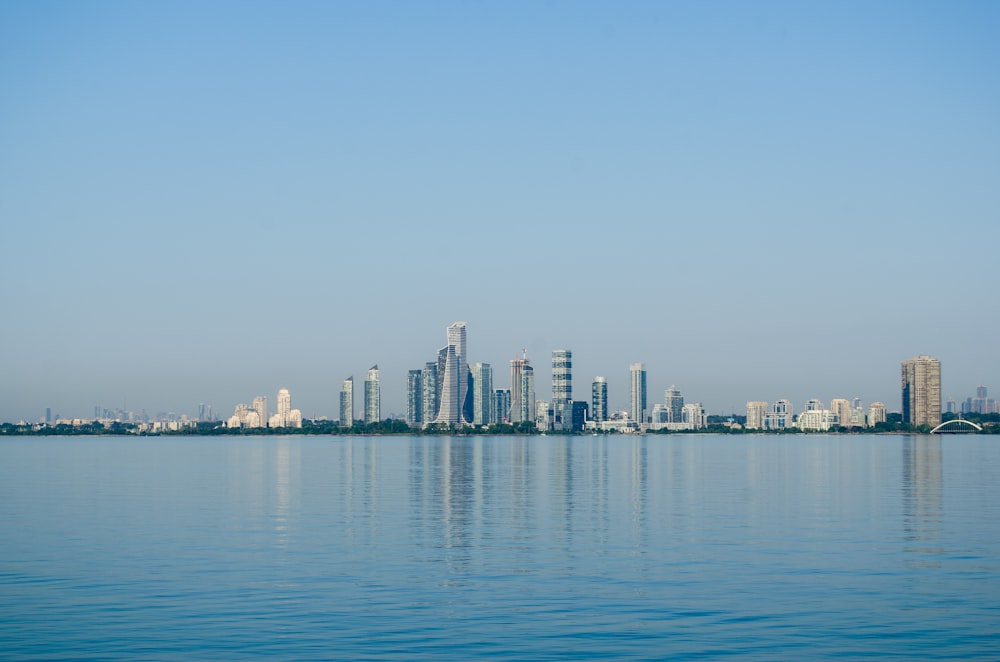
point(414, 398)
point(599, 399)
point(637, 392)
point(347, 403)
point(921, 391)
point(482, 396)
point(562, 389)
point(373, 396)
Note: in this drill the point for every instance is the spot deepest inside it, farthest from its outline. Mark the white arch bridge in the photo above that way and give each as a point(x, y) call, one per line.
point(956, 425)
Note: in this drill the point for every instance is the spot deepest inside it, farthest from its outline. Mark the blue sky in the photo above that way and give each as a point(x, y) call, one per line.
point(203, 202)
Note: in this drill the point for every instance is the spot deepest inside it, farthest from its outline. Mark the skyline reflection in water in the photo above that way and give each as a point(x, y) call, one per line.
point(511, 547)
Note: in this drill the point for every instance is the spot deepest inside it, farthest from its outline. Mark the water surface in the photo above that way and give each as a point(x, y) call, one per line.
point(678, 546)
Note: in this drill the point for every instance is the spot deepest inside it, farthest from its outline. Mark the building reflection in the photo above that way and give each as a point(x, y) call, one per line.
point(922, 499)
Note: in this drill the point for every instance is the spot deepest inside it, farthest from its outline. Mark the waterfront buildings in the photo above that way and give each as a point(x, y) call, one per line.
point(501, 405)
point(260, 406)
point(599, 399)
point(756, 415)
point(841, 408)
point(347, 403)
point(522, 391)
point(562, 389)
point(921, 391)
point(429, 386)
point(981, 404)
point(373, 396)
point(637, 393)
point(453, 377)
point(876, 414)
point(414, 398)
point(673, 403)
point(482, 397)
point(285, 417)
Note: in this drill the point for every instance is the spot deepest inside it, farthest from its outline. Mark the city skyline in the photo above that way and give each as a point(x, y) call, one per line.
point(419, 394)
point(756, 200)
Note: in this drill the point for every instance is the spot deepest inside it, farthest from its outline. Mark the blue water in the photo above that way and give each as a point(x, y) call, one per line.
point(804, 547)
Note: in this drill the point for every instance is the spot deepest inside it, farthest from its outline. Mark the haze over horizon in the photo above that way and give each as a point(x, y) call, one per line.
point(201, 203)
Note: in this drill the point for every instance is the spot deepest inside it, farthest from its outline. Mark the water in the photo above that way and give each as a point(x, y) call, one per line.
point(504, 547)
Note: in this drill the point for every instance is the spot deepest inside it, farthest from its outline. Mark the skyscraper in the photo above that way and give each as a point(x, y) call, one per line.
point(482, 386)
point(673, 402)
point(599, 399)
point(756, 414)
point(347, 403)
point(260, 406)
point(414, 397)
point(501, 405)
point(921, 386)
point(522, 391)
point(453, 377)
point(637, 392)
point(372, 396)
point(450, 409)
point(284, 407)
point(562, 388)
point(842, 408)
point(430, 389)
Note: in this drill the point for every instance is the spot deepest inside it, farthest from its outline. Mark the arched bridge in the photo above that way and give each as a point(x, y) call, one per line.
point(956, 426)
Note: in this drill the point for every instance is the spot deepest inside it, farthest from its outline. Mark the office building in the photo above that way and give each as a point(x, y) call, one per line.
point(482, 396)
point(637, 392)
point(347, 403)
point(414, 398)
point(599, 399)
point(921, 391)
point(373, 396)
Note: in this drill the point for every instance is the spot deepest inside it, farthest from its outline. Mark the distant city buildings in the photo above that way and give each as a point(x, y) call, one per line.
point(347, 403)
point(599, 399)
point(921, 391)
point(522, 391)
point(637, 392)
point(981, 404)
point(255, 415)
point(373, 396)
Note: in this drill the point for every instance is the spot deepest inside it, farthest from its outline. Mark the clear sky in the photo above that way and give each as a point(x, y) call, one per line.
point(204, 202)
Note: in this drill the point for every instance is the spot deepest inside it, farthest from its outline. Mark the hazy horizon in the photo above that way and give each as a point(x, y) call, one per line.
point(202, 203)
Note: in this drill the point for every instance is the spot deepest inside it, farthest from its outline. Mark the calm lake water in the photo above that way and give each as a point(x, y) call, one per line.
point(799, 547)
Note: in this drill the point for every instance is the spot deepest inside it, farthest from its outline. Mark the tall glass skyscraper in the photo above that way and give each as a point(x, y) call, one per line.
point(453, 377)
point(450, 411)
point(482, 386)
point(562, 389)
point(637, 399)
point(599, 399)
point(522, 391)
point(414, 397)
point(372, 396)
point(347, 403)
point(430, 392)
point(673, 402)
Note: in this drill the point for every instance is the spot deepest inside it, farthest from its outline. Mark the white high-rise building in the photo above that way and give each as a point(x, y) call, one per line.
point(454, 399)
point(842, 409)
point(260, 406)
point(285, 417)
point(876, 414)
point(372, 396)
point(756, 415)
point(347, 403)
point(637, 392)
